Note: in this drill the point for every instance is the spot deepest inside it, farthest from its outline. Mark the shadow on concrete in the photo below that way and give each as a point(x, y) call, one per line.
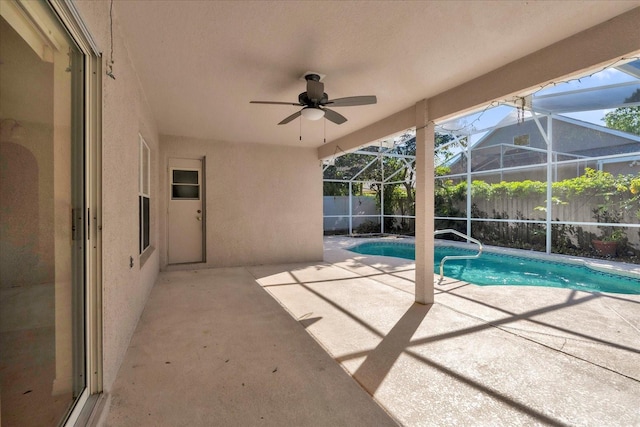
point(372, 375)
point(529, 316)
point(380, 360)
point(309, 321)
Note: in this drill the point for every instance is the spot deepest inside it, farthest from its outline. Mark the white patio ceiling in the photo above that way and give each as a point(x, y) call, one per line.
point(201, 62)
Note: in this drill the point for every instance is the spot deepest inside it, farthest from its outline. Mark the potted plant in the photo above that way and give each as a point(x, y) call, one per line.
point(606, 244)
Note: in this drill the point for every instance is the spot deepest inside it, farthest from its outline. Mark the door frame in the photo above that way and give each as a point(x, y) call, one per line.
point(92, 134)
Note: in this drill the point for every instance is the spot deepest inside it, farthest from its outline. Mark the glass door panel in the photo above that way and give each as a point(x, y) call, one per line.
point(42, 219)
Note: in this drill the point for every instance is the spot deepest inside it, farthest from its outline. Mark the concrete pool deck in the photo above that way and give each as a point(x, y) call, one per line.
point(481, 356)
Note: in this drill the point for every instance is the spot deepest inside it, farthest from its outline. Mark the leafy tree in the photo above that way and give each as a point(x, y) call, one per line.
point(626, 119)
point(399, 197)
point(345, 168)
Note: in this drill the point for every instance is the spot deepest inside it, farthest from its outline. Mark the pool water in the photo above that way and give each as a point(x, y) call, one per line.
point(500, 269)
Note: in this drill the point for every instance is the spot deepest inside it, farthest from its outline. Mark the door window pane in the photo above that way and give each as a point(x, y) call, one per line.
point(185, 192)
point(185, 177)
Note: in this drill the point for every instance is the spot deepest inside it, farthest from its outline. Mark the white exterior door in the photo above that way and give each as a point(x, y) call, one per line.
point(186, 213)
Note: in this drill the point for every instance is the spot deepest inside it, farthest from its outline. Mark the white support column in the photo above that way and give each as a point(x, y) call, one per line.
point(381, 192)
point(467, 152)
point(425, 141)
point(549, 138)
point(350, 208)
point(547, 135)
point(381, 208)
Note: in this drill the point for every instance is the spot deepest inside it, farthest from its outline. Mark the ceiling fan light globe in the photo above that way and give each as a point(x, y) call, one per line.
point(311, 113)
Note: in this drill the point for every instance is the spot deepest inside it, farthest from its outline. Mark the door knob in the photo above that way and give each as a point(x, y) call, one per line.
point(198, 218)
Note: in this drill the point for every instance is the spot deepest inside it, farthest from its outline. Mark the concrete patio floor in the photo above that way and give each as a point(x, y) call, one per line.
point(213, 348)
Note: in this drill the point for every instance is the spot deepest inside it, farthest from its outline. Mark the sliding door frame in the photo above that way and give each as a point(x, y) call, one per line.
point(92, 235)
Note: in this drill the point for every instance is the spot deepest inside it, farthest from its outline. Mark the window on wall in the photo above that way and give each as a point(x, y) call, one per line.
point(522, 140)
point(143, 195)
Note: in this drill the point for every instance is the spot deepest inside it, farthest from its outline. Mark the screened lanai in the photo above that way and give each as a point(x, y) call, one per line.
point(555, 171)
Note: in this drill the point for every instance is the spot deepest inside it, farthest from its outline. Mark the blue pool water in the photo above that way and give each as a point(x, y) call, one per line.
point(500, 269)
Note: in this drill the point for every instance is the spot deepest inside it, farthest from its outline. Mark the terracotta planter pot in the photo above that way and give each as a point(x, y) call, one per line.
point(605, 248)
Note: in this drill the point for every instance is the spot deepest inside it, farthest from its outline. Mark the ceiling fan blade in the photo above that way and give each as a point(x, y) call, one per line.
point(297, 104)
point(352, 101)
point(291, 117)
point(315, 89)
point(333, 116)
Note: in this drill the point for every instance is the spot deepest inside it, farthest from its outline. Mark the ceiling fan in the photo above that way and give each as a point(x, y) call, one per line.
point(314, 102)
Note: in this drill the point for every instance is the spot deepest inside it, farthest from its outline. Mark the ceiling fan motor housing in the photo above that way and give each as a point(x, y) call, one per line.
point(304, 99)
point(314, 96)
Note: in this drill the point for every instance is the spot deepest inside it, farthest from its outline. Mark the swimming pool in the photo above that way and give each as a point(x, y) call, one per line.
point(501, 269)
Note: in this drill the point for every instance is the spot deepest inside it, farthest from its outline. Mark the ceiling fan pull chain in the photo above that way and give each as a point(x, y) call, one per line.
point(324, 139)
point(300, 128)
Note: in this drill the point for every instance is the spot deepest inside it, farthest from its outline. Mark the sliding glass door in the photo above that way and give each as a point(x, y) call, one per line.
point(42, 218)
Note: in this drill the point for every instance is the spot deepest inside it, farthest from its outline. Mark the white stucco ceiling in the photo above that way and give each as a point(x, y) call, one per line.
point(201, 62)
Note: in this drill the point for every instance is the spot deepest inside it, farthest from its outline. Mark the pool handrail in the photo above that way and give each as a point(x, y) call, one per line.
point(448, 257)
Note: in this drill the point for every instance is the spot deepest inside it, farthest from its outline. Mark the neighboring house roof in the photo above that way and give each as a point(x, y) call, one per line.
point(570, 137)
point(599, 137)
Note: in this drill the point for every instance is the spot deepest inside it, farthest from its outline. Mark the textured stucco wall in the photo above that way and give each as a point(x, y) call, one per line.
point(263, 203)
point(125, 115)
